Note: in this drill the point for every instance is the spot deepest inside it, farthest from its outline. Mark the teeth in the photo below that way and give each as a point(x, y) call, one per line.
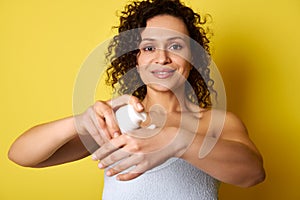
point(162, 73)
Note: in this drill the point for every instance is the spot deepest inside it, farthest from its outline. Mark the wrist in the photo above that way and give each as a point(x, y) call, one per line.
point(68, 128)
point(182, 141)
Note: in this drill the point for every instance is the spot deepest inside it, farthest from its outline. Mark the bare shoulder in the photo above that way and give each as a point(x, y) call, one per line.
point(230, 125)
point(233, 122)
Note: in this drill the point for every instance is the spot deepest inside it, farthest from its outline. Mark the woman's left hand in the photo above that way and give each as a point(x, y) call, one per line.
point(140, 153)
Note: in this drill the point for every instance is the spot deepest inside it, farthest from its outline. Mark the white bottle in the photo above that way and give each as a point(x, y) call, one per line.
point(129, 119)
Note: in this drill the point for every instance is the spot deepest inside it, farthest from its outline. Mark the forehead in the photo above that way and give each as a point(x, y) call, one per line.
point(164, 26)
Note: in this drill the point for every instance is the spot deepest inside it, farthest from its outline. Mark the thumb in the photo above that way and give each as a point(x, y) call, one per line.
point(125, 100)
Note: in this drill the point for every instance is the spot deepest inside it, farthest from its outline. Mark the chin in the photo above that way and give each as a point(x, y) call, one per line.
point(159, 88)
point(163, 88)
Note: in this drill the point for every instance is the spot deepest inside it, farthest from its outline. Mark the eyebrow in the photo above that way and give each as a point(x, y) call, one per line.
point(169, 39)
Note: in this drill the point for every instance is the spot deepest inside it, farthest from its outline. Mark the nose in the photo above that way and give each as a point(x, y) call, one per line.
point(162, 57)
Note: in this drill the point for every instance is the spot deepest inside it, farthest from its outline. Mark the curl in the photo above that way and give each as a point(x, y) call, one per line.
point(123, 49)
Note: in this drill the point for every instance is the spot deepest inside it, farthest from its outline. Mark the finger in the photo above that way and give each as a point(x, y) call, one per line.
point(101, 131)
point(128, 176)
point(135, 172)
point(112, 125)
point(124, 100)
point(116, 103)
point(87, 129)
point(106, 118)
point(131, 161)
point(102, 127)
point(93, 131)
point(113, 158)
point(108, 148)
point(135, 102)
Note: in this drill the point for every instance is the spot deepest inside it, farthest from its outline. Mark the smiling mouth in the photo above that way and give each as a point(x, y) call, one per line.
point(163, 74)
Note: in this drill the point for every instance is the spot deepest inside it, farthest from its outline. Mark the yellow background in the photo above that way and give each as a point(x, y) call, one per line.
point(43, 44)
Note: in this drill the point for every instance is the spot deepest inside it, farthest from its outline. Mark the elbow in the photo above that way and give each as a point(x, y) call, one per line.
point(14, 158)
point(258, 176)
point(246, 176)
point(17, 159)
point(254, 173)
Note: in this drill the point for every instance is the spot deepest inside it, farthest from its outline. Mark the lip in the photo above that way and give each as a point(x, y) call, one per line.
point(163, 73)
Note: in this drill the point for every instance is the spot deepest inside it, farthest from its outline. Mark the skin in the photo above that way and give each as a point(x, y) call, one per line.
point(234, 158)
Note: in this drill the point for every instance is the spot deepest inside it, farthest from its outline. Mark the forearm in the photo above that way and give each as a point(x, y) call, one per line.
point(40, 142)
point(229, 161)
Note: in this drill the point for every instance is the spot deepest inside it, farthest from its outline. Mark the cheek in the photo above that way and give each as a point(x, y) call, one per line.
point(184, 65)
point(142, 59)
point(187, 70)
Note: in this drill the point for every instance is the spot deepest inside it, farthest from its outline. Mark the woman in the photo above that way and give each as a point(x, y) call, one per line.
point(160, 76)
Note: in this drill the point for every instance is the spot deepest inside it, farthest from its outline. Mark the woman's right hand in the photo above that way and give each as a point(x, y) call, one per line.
point(71, 138)
point(99, 121)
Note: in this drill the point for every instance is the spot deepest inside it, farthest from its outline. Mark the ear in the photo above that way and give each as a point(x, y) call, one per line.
point(137, 68)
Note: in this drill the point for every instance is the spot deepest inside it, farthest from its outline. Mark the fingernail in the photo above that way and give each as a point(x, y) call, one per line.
point(100, 165)
point(116, 134)
point(94, 157)
point(108, 173)
point(139, 106)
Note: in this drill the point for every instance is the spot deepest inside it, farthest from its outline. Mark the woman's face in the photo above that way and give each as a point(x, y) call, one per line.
point(163, 61)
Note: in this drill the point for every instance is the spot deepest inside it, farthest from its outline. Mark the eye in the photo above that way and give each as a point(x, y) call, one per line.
point(175, 47)
point(148, 48)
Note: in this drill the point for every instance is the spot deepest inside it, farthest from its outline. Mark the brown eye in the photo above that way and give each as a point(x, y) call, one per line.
point(148, 48)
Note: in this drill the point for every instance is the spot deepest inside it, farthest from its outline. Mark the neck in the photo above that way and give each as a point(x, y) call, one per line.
point(170, 101)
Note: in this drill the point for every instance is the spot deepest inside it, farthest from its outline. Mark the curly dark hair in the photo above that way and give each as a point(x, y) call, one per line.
point(123, 49)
